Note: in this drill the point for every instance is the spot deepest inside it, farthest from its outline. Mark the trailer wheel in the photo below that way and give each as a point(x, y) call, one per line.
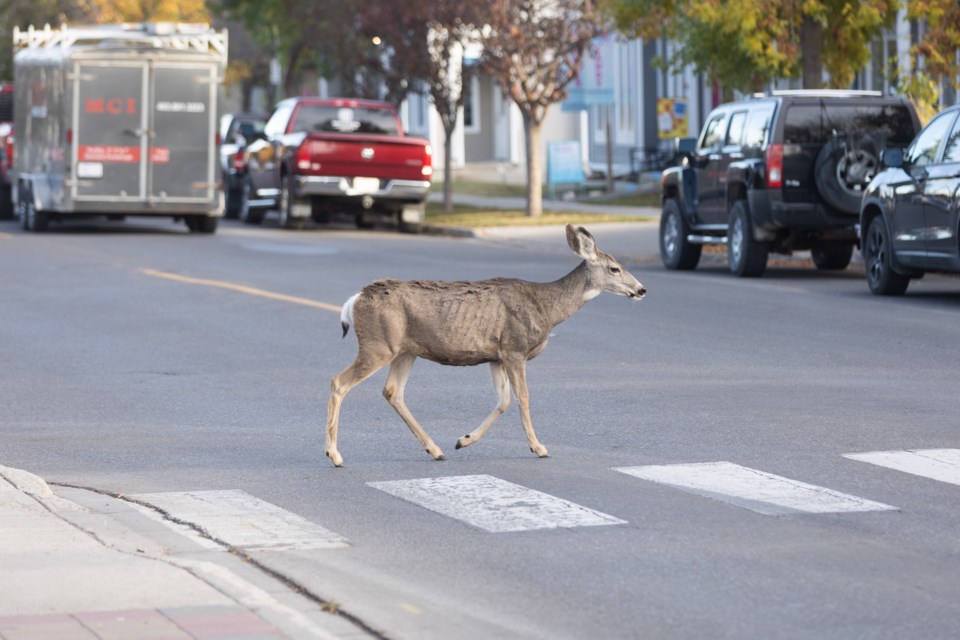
point(202, 224)
point(30, 218)
point(6, 204)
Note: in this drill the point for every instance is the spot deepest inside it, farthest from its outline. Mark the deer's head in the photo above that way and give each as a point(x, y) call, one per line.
point(604, 273)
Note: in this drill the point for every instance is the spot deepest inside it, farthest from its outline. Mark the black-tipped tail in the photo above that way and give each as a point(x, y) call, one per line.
point(346, 328)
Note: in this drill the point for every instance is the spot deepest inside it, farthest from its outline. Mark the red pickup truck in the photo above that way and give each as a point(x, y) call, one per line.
point(319, 156)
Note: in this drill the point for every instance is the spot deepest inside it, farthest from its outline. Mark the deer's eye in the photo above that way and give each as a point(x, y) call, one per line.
point(614, 269)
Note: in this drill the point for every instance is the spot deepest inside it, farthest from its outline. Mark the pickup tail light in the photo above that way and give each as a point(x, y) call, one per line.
point(427, 169)
point(774, 160)
point(238, 165)
point(302, 159)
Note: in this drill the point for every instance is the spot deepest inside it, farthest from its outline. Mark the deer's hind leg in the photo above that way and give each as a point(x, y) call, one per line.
point(393, 392)
point(502, 387)
point(361, 369)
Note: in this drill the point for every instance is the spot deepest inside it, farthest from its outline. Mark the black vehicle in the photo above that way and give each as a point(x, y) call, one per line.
point(6, 150)
point(237, 130)
point(910, 218)
point(779, 173)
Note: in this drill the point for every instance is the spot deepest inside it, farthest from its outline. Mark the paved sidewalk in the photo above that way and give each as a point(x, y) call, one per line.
point(103, 569)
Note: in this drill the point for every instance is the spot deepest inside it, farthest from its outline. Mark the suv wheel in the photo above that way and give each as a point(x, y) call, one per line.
point(747, 256)
point(832, 256)
point(877, 255)
point(843, 172)
point(676, 251)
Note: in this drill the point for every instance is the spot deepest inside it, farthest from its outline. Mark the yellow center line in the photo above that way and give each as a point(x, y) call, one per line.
point(241, 289)
point(6, 236)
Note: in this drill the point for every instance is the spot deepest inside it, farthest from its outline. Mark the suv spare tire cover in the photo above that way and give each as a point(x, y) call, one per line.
point(842, 172)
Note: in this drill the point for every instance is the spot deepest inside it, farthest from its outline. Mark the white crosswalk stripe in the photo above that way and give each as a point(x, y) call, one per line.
point(241, 520)
point(494, 505)
point(752, 489)
point(937, 464)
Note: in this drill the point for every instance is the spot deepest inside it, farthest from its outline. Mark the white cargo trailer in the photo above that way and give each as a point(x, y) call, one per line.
point(118, 120)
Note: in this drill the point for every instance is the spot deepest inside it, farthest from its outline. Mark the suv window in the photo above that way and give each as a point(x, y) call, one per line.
point(713, 132)
point(735, 130)
point(758, 127)
point(923, 151)
point(815, 124)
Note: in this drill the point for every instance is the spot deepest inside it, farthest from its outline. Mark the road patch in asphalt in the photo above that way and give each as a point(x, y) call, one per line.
point(240, 288)
point(752, 489)
point(494, 505)
point(936, 464)
point(237, 519)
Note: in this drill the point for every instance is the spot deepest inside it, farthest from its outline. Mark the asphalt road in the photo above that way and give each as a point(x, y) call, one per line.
point(139, 359)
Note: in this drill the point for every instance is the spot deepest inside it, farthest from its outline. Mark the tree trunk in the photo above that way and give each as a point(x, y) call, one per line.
point(811, 36)
point(534, 170)
point(447, 169)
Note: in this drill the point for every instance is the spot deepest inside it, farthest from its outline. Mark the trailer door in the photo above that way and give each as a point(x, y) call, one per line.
point(109, 131)
point(181, 160)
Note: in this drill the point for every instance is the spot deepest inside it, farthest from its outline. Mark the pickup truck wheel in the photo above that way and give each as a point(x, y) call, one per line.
point(881, 278)
point(676, 251)
point(747, 256)
point(409, 227)
point(832, 256)
point(365, 221)
point(287, 219)
point(248, 214)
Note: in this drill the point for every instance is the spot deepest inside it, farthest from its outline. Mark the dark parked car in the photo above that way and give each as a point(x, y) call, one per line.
point(779, 173)
point(236, 131)
point(6, 150)
point(910, 216)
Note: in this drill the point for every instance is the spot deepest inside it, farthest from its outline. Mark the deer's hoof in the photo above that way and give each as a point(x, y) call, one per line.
point(540, 450)
point(436, 453)
point(335, 458)
point(464, 441)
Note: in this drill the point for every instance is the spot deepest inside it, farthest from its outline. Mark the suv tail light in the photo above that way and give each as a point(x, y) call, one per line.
point(427, 169)
point(774, 159)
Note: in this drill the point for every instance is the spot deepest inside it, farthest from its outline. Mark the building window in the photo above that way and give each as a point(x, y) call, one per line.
point(626, 90)
point(471, 104)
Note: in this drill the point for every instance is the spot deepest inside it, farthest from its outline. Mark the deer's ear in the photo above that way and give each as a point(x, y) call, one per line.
point(581, 242)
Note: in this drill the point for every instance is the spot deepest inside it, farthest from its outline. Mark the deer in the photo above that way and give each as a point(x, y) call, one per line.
point(502, 321)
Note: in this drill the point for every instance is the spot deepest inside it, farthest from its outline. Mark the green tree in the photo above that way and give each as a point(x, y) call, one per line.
point(536, 48)
point(936, 58)
point(747, 44)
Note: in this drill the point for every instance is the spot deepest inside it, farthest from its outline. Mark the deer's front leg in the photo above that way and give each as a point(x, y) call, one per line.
point(361, 369)
point(516, 372)
point(393, 392)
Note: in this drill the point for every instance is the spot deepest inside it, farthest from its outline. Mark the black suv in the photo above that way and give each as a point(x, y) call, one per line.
point(779, 172)
point(910, 219)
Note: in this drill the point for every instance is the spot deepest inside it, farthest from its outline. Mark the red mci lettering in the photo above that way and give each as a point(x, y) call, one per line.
point(112, 106)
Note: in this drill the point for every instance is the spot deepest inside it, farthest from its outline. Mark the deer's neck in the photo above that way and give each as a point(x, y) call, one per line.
point(565, 296)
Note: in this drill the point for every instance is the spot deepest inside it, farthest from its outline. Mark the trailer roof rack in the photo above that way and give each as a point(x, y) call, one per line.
point(158, 35)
